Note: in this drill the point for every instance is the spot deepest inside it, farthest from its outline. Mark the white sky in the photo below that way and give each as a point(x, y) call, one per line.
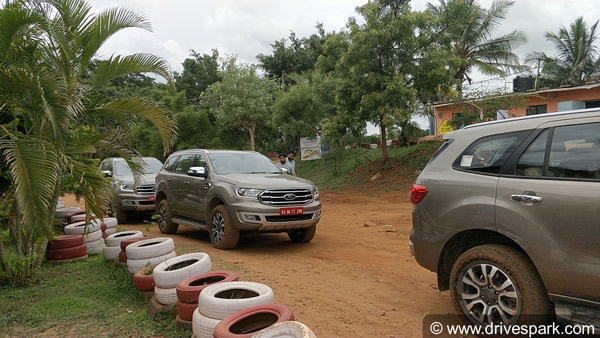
point(247, 28)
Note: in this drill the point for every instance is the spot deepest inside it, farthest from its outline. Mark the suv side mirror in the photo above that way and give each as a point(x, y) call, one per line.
point(284, 170)
point(107, 173)
point(197, 172)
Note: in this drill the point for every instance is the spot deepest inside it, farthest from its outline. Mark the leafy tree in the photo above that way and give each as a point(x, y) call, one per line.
point(199, 72)
point(46, 48)
point(241, 99)
point(577, 56)
point(481, 107)
point(469, 28)
point(297, 58)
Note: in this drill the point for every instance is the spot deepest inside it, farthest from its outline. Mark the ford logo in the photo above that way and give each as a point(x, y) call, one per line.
point(289, 197)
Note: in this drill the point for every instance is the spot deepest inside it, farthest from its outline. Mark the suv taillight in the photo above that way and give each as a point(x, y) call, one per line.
point(417, 193)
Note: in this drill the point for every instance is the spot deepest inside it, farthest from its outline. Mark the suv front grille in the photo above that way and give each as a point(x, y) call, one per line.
point(145, 189)
point(285, 196)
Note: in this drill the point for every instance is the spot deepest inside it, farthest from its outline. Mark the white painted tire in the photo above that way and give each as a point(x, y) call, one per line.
point(202, 326)
point(170, 279)
point(116, 238)
point(110, 222)
point(110, 231)
point(92, 236)
point(212, 306)
point(165, 296)
point(286, 330)
point(134, 265)
point(63, 212)
point(81, 218)
point(94, 248)
point(151, 247)
point(79, 227)
point(111, 252)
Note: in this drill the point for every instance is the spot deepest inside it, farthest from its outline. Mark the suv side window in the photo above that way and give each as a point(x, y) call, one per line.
point(575, 152)
point(183, 164)
point(488, 154)
point(531, 162)
point(199, 161)
point(170, 164)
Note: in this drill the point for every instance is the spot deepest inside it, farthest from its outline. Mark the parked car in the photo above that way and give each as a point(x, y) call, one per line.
point(127, 195)
point(507, 213)
point(225, 192)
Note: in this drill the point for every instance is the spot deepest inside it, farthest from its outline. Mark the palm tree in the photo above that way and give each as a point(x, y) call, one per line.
point(577, 56)
point(45, 50)
point(468, 28)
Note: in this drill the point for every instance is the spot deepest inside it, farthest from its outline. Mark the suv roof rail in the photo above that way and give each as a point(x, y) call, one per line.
point(538, 116)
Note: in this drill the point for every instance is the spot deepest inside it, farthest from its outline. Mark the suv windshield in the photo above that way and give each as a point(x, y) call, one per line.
point(242, 163)
point(150, 166)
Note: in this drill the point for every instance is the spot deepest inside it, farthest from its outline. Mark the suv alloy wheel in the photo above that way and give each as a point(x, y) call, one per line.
point(222, 234)
point(165, 223)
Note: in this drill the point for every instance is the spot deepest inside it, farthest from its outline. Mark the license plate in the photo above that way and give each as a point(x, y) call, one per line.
point(151, 198)
point(291, 211)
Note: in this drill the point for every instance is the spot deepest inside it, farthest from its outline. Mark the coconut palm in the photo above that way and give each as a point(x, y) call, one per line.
point(577, 56)
point(46, 48)
point(468, 28)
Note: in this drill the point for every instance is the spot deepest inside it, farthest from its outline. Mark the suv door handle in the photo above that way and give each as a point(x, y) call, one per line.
point(207, 186)
point(169, 179)
point(526, 198)
point(186, 182)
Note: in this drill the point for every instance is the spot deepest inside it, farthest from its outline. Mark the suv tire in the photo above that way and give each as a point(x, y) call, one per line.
point(119, 213)
point(222, 234)
point(303, 235)
point(514, 290)
point(165, 220)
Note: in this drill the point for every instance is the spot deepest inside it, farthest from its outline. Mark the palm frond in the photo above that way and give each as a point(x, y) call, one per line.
point(119, 66)
point(156, 113)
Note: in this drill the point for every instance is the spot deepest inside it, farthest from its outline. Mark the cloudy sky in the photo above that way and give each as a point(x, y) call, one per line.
point(247, 28)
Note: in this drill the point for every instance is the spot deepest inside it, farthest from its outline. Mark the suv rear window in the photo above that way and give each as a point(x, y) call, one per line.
point(488, 154)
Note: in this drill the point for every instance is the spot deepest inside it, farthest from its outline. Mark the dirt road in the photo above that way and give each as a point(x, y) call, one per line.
point(356, 279)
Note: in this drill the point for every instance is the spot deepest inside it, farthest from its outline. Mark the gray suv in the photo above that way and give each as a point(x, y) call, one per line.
point(507, 213)
point(129, 196)
point(225, 192)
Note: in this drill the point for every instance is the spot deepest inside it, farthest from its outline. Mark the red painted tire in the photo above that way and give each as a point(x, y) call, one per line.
point(103, 226)
point(126, 242)
point(122, 257)
point(189, 289)
point(185, 311)
point(66, 253)
point(66, 241)
point(104, 235)
point(71, 214)
point(252, 320)
point(144, 282)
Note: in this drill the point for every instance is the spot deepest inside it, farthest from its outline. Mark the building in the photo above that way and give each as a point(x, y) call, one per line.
point(542, 101)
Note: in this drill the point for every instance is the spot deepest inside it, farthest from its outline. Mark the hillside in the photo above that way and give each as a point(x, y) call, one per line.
point(363, 169)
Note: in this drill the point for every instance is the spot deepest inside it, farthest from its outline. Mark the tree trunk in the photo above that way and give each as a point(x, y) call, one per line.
point(251, 132)
point(3, 261)
point(41, 252)
point(383, 141)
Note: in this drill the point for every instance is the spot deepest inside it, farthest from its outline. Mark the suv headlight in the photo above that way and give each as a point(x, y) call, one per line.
point(315, 192)
point(247, 193)
point(126, 187)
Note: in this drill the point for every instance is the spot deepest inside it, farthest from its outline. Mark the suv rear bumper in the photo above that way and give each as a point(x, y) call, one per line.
point(249, 216)
point(135, 202)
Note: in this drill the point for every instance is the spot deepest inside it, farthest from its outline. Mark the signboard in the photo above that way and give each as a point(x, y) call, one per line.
point(501, 114)
point(445, 127)
point(310, 148)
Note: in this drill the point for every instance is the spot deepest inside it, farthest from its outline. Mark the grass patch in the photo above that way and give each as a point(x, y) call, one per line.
point(360, 165)
point(95, 298)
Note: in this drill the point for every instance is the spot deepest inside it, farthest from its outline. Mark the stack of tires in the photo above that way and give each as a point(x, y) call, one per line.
point(216, 302)
point(189, 290)
point(91, 232)
point(112, 242)
point(168, 274)
point(289, 329)
point(109, 226)
point(66, 248)
point(149, 251)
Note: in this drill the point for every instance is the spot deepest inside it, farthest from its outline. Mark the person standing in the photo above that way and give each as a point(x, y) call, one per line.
point(284, 164)
point(290, 160)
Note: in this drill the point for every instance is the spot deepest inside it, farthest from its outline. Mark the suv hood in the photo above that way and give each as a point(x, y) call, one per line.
point(144, 179)
point(265, 181)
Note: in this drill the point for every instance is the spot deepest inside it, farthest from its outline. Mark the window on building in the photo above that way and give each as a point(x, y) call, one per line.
point(539, 109)
point(592, 104)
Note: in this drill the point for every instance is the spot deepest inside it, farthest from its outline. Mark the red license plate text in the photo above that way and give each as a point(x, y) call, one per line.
point(291, 211)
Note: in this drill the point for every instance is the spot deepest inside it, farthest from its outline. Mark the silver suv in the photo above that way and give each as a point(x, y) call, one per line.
point(225, 192)
point(127, 195)
point(507, 214)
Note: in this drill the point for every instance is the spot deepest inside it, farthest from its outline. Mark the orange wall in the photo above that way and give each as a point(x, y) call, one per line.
point(551, 99)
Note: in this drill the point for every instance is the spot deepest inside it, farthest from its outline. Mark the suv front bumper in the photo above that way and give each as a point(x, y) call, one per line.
point(136, 202)
point(250, 215)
